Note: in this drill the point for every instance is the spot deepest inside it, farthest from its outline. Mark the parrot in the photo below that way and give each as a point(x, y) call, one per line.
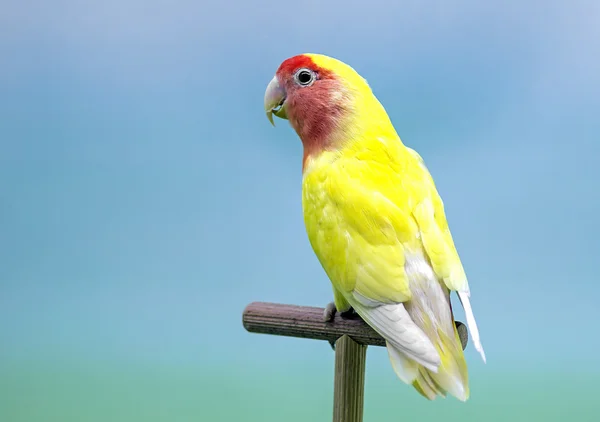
point(376, 222)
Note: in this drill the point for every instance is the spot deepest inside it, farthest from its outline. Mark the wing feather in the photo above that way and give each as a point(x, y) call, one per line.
point(439, 247)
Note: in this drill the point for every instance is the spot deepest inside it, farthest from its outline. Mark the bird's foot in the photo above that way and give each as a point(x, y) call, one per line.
point(331, 310)
point(349, 314)
point(329, 315)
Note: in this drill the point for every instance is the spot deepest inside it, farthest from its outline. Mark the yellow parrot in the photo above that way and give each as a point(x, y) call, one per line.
point(376, 222)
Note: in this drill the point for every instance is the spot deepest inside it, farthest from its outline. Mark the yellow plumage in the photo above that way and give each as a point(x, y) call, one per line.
point(377, 225)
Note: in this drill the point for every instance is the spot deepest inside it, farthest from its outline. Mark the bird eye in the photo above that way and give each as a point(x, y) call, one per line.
point(305, 77)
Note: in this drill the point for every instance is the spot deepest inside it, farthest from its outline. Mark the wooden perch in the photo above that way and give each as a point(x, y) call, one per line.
point(306, 322)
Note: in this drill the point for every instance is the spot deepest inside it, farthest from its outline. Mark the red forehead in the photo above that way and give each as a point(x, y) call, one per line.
point(289, 66)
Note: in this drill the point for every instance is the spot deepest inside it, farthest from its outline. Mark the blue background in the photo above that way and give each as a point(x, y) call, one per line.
point(145, 200)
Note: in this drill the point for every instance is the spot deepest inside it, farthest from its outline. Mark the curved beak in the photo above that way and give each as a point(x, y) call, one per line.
point(275, 100)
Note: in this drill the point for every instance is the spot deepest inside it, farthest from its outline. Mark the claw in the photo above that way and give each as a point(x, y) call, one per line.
point(329, 316)
point(349, 314)
point(329, 313)
point(331, 310)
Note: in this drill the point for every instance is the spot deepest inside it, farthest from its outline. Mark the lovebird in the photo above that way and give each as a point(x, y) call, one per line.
point(376, 222)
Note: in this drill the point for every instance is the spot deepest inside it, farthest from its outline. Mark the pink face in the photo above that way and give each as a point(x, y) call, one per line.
point(308, 96)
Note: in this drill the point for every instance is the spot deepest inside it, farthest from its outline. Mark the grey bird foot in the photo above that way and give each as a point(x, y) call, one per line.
point(349, 314)
point(331, 310)
point(329, 315)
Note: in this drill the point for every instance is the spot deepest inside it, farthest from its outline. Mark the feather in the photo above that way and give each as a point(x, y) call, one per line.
point(394, 324)
point(406, 369)
point(427, 386)
point(430, 309)
point(471, 324)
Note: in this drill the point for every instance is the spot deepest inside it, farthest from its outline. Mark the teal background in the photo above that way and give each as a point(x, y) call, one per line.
point(145, 200)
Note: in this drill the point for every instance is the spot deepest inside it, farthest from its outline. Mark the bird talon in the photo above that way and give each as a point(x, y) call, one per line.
point(349, 314)
point(329, 312)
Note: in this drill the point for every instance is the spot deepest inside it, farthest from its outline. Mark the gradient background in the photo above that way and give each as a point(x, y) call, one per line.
point(145, 200)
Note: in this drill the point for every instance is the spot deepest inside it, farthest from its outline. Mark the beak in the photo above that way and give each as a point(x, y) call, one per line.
point(275, 100)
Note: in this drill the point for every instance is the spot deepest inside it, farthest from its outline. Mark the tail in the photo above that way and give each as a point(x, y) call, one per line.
point(422, 340)
point(451, 375)
point(431, 310)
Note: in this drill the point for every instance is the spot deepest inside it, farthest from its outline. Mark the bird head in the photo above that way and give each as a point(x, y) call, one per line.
point(325, 100)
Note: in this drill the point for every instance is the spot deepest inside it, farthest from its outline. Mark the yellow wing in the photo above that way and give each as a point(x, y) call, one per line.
point(440, 248)
point(437, 240)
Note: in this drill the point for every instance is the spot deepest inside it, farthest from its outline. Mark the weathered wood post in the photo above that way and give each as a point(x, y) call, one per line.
point(349, 381)
point(351, 337)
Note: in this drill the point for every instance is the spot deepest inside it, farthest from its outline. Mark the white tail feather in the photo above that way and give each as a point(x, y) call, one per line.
point(394, 324)
point(471, 324)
